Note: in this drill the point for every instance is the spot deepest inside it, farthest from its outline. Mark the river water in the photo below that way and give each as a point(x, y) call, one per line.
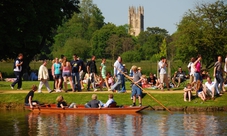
point(147, 123)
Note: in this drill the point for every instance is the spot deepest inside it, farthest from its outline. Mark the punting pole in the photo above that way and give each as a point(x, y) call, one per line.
point(144, 90)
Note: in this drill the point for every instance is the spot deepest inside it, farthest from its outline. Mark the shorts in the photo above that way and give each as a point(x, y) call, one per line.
point(67, 74)
point(58, 76)
point(82, 75)
point(181, 79)
point(136, 91)
point(192, 79)
point(163, 78)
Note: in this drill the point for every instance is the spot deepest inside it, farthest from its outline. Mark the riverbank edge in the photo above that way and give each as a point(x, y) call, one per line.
point(16, 106)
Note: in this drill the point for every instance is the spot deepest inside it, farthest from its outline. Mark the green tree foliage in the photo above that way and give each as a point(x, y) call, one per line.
point(203, 31)
point(131, 56)
point(111, 41)
point(150, 41)
point(100, 38)
point(163, 50)
point(82, 26)
point(28, 26)
point(114, 46)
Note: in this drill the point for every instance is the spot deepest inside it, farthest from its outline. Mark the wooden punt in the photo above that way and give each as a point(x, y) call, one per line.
point(82, 109)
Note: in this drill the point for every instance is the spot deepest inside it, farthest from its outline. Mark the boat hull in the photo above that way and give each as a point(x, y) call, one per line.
point(82, 109)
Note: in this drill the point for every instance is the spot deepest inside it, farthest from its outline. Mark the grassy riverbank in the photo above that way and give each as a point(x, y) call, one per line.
point(171, 99)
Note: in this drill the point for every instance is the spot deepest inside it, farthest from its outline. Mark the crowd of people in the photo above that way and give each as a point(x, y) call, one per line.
point(79, 76)
point(209, 89)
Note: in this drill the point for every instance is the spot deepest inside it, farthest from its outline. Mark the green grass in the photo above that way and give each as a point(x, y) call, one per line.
point(167, 99)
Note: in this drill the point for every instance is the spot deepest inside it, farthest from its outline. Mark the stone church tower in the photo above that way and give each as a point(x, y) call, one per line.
point(136, 20)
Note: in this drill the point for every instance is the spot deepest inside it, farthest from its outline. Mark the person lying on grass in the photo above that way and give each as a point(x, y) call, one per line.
point(62, 103)
point(28, 99)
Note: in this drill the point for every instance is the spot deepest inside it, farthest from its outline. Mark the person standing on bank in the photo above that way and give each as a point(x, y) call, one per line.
point(76, 68)
point(56, 72)
point(103, 74)
point(163, 73)
point(18, 72)
point(92, 71)
point(218, 74)
point(43, 77)
point(118, 68)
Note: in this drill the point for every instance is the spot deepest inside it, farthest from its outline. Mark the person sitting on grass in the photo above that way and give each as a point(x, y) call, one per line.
point(94, 103)
point(28, 99)
point(145, 83)
point(188, 91)
point(62, 103)
point(152, 80)
point(199, 90)
point(179, 77)
point(210, 87)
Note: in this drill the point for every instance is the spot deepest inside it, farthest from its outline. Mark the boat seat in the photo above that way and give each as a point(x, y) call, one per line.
point(113, 104)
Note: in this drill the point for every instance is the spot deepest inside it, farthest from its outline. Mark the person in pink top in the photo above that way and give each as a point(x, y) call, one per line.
point(66, 74)
point(197, 65)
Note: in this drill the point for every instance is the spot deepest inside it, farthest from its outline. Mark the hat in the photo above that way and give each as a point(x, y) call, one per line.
point(139, 68)
point(124, 65)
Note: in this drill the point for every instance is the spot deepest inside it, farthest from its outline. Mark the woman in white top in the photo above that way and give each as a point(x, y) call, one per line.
point(192, 71)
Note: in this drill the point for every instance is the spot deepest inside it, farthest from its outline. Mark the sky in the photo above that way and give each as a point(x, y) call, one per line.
point(164, 14)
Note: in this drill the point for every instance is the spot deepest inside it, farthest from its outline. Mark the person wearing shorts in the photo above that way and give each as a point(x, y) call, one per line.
point(56, 72)
point(163, 73)
point(136, 90)
point(66, 73)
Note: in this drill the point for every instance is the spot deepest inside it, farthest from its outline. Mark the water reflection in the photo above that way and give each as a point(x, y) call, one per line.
point(158, 123)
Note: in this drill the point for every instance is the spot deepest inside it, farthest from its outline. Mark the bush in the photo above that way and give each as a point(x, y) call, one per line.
point(131, 56)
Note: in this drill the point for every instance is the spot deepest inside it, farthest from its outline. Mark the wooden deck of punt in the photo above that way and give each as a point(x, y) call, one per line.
point(82, 109)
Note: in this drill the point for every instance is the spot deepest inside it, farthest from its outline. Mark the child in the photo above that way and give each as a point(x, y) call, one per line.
point(28, 99)
point(136, 91)
point(62, 103)
point(199, 89)
point(188, 91)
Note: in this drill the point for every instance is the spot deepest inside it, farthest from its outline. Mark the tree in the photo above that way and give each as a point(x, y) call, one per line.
point(113, 46)
point(163, 51)
point(150, 41)
point(202, 31)
point(111, 40)
point(81, 25)
point(29, 25)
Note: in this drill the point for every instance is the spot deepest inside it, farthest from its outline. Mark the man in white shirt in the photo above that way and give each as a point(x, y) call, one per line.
point(43, 77)
point(163, 72)
point(118, 68)
point(210, 87)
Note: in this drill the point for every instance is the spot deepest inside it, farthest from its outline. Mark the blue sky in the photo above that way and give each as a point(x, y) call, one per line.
point(157, 13)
